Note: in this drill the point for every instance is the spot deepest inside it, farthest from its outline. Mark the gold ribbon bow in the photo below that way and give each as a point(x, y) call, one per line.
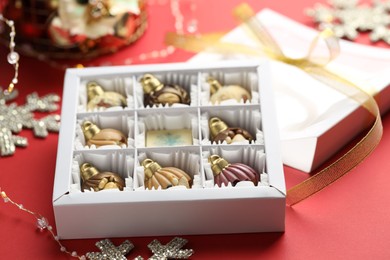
point(314, 67)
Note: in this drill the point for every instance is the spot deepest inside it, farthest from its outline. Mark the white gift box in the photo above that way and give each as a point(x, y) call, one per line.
point(204, 208)
point(315, 120)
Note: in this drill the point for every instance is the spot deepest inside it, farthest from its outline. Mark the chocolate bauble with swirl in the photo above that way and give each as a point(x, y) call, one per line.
point(164, 177)
point(225, 173)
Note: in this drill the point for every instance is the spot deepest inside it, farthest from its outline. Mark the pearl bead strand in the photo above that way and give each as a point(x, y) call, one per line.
point(13, 56)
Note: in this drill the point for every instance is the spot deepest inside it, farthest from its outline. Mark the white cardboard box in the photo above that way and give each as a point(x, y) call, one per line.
point(315, 120)
point(203, 209)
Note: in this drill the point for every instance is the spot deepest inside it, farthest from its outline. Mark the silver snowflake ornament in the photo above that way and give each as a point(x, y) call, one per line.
point(172, 250)
point(347, 18)
point(109, 251)
point(14, 118)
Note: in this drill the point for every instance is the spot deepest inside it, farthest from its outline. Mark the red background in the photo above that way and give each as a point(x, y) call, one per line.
point(348, 220)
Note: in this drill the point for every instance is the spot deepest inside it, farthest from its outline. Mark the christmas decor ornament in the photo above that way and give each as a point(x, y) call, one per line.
point(110, 251)
point(157, 176)
point(221, 132)
point(347, 18)
point(14, 118)
point(97, 181)
point(97, 97)
point(99, 137)
point(76, 28)
point(219, 93)
point(225, 173)
point(157, 93)
point(172, 250)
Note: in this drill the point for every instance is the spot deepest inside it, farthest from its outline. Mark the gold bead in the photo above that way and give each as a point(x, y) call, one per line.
point(11, 87)
point(3, 195)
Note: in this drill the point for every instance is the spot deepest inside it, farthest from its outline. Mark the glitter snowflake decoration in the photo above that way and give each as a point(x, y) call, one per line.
point(347, 18)
point(14, 118)
point(172, 250)
point(110, 251)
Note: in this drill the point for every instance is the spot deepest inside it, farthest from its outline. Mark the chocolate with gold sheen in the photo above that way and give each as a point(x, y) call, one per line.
point(93, 179)
point(97, 97)
point(157, 93)
point(99, 137)
point(225, 173)
point(219, 93)
point(220, 132)
point(164, 177)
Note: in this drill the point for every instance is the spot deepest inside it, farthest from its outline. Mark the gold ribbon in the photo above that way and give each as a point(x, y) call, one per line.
point(315, 67)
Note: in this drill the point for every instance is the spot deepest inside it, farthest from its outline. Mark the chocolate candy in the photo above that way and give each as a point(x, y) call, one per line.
point(164, 177)
point(219, 93)
point(97, 181)
point(225, 173)
point(99, 137)
point(97, 97)
point(157, 93)
point(220, 132)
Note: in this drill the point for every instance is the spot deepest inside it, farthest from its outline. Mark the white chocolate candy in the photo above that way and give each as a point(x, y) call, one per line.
point(230, 92)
